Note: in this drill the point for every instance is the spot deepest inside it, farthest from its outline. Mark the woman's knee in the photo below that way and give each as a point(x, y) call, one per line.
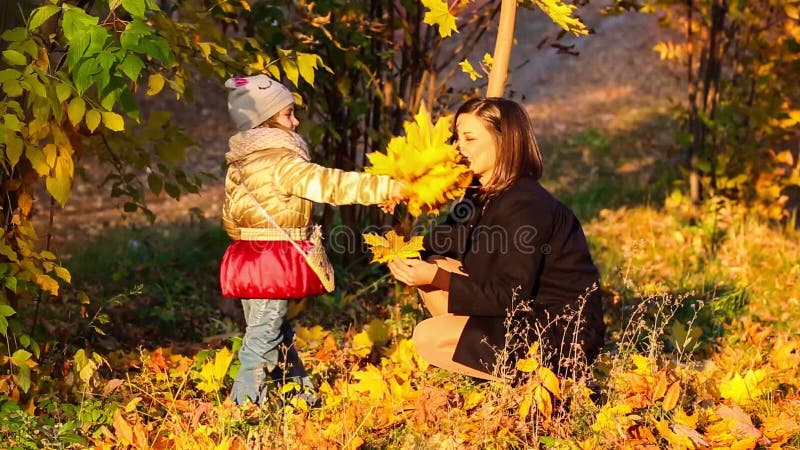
point(435, 339)
point(420, 334)
point(424, 338)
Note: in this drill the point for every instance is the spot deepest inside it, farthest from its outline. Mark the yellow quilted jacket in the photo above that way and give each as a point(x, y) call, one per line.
point(274, 165)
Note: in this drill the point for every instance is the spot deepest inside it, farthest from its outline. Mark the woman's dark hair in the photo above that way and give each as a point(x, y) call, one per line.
point(518, 153)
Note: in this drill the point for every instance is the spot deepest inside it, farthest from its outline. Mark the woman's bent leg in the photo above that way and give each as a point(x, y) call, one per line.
point(435, 340)
point(259, 353)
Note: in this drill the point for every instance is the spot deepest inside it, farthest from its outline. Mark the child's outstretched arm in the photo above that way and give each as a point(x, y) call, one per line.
point(296, 176)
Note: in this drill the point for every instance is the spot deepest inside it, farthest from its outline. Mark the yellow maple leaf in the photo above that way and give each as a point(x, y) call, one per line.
point(440, 14)
point(385, 249)
point(742, 390)
point(310, 338)
point(362, 344)
point(467, 68)
point(785, 354)
point(613, 419)
point(473, 399)
point(561, 13)
point(680, 417)
point(402, 393)
point(371, 382)
point(488, 61)
point(213, 372)
point(732, 428)
point(328, 395)
point(425, 160)
point(406, 358)
point(642, 365)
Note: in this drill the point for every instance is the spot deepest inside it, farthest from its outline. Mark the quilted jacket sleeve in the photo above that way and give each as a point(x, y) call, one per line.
point(296, 176)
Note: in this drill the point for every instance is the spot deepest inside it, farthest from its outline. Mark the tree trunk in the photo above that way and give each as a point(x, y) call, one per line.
point(502, 49)
point(694, 171)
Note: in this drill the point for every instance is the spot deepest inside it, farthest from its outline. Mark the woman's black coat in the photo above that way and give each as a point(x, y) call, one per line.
point(530, 278)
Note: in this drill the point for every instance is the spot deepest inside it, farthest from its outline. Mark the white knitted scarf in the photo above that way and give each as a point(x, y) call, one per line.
point(246, 142)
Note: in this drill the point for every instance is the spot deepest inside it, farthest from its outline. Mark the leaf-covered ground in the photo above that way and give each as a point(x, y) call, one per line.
point(702, 353)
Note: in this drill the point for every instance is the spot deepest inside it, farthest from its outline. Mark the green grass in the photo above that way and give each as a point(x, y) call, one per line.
point(160, 281)
point(591, 170)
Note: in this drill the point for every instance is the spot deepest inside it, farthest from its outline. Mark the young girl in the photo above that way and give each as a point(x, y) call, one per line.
point(270, 174)
point(520, 269)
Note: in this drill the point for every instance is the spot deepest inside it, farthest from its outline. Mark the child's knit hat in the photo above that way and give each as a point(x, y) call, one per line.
point(252, 100)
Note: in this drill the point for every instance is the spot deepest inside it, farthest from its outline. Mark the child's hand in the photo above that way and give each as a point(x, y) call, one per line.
point(388, 206)
point(397, 196)
point(397, 192)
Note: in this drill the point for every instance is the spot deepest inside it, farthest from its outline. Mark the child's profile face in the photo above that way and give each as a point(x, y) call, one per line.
point(286, 118)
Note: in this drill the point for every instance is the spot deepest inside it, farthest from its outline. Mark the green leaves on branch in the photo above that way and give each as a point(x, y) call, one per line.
point(67, 78)
point(24, 272)
point(76, 110)
point(297, 65)
point(86, 365)
point(14, 58)
point(5, 312)
point(69, 81)
point(137, 8)
point(41, 15)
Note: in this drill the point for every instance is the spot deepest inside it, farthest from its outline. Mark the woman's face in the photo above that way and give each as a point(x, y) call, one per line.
point(477, 144)
point(286, 118)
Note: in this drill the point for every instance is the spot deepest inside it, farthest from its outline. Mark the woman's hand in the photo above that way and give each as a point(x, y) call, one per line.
point(412, 272)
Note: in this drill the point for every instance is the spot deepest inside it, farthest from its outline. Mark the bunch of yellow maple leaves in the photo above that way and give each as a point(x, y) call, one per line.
point(424, 159)
point(431, 168)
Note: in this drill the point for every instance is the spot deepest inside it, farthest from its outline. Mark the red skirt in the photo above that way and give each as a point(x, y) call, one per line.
point(267, 270)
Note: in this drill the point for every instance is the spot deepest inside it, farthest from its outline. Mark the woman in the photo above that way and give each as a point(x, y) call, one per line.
point(518, 267)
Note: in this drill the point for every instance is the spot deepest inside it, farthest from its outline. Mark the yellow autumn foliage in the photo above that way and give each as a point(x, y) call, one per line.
point(430, 166)
point(563, 15)
point(743, 390)
point(390, 246)
point(212, 374)
point(439, 14)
